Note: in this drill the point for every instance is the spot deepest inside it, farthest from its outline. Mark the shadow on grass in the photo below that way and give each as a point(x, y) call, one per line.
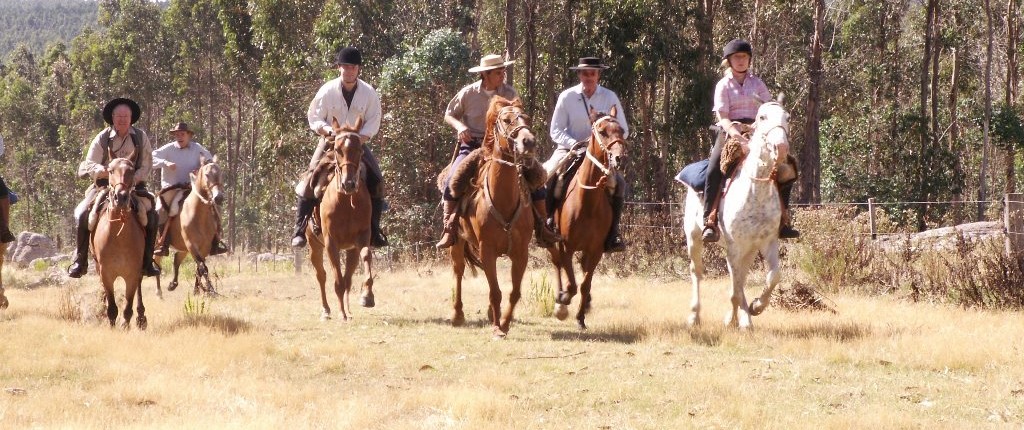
point(618, 334)
point(836, 331)
point(219, 323)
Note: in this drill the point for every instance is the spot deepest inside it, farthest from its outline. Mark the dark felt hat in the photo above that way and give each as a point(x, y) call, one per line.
point(108, 109)
point(737, 45)
point(348, 55)
point(181, 127)
point(589, 63)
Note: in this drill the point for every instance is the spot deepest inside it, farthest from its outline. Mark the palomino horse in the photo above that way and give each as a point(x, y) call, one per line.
point(344, 216)
point(586, 213)
point(119, 240)
point(496, 214)
point(749, 218)
point(192, 232)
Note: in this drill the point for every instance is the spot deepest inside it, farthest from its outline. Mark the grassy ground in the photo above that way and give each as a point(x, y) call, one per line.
point(261, 358)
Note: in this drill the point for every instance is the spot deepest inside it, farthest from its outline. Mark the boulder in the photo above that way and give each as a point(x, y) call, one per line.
point(31, 246)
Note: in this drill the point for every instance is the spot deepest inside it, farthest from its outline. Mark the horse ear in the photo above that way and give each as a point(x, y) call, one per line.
point(202, 160)
point(214, 160)
point(334, 123)
point(593, 114)
point(192, 176)
point(780, 98)
point(614, 111)
point(359, 123)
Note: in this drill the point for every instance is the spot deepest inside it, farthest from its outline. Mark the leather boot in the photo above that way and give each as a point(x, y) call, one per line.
point(544, 236)
point(451, 224)
point(613, 242)
point(377, 237)
point(549, 202)
point(5, 221)
point(786, 230)
point(148, 268)
point(162, 244)
point(301, 218)
point(218, 246)
point(80, 265)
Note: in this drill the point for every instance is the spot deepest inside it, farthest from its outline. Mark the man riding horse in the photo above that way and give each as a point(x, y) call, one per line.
point(570, 130)
point(120, 139)
point(346, 98)
point(737, 97)
point(467, 113)
point(176, 160)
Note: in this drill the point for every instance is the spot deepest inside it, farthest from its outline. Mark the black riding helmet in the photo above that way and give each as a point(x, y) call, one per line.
point(348, 55)
point(737, 45)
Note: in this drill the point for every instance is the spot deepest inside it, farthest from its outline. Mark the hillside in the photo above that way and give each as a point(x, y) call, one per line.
point(37, 23)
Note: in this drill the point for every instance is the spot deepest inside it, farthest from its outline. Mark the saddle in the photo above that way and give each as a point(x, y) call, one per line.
point(99, 204)
point(174, 206)
point(318, 179)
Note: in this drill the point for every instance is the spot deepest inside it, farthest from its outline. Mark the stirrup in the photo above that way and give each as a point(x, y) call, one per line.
point(218, 248)
point(614, 245)
point(299, 241)
point(788, 232)
point(447, 240)
point(710, 234)
point(378, 239)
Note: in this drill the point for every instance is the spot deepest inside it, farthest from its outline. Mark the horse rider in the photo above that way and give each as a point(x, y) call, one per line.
point(5, 207)
point(571, 130)
point(121, 138)
point(176, 160)
point(346, 98)
point(467, 114)
point(737, 97)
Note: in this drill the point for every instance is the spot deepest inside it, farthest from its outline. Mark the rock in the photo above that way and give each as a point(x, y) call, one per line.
point(31, 246)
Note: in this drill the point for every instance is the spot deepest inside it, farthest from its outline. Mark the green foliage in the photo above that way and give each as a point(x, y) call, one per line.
point(1007, 128)
point(195, 307)
point(36, 24)
point(542, 296)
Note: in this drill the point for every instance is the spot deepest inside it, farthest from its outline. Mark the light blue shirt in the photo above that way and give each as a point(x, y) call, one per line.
point(186, 159)
point(571, 121)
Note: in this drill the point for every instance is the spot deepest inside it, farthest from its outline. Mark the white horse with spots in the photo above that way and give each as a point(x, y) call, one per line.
point(749, 216)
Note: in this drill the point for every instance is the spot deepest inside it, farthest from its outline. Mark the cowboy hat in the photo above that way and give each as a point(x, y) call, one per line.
point(348, 55)
point(589, 63)
point(181, 127)
point(491, 61)
point(108, 109)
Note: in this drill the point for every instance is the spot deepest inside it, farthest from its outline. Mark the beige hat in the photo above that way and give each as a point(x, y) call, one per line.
point(491, 61)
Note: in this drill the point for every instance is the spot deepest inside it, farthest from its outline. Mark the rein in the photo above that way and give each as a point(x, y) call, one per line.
point(607, 171)
point(517, 162)
point(773, 150)
point(338, 165)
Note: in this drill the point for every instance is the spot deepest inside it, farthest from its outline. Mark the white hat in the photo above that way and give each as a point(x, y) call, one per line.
point(491, 61)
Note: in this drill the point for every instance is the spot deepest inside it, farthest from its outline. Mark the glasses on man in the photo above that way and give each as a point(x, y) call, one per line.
point(587, 72)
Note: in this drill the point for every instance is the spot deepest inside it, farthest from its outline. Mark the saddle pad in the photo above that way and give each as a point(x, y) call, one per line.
point(694, 174)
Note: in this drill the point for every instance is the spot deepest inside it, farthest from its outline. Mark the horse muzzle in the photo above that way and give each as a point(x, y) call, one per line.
point(348, 186)
point(121, 198)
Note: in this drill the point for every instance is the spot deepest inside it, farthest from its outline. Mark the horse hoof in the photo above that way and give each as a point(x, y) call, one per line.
point(499, 334)
point(325, 316)
point(458, 320)
point(756, 307)
point(693, 321)
point(582, 325)
point(367, 301)
point(143, 323)
point(3, 302)
point(561, 312)
point(171, 287)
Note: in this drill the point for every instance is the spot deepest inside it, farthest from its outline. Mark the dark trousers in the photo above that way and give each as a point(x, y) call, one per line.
point(713, 184)
point(464, 150)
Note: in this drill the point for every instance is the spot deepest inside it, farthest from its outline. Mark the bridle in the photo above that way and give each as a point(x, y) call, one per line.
point(773, 149)
point(605, 146)
point(520, 122)
point(199, 190)
point(338, 164)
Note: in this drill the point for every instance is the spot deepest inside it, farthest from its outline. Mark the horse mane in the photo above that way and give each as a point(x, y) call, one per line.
point(497, 103)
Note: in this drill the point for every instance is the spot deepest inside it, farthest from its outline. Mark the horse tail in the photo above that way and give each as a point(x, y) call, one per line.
point(473, 257)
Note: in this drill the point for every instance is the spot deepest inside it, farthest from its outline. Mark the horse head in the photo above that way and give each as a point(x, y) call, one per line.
point(770, 139)
point(509, 130)
point(121, 175)
point(348, 154)
point(609, 137)
point(206, 180)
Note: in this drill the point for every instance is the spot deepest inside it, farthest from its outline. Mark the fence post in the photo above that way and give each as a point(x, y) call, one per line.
point(1013, 222)
point(871, 217)
point(297, 259)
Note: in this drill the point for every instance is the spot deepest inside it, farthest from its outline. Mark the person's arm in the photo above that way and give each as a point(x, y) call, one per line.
point(371, 122)
point(452, 115)
point(559, 129)
point(92, 166)
point(145, 166)
point(158, 158)
point(316, 115)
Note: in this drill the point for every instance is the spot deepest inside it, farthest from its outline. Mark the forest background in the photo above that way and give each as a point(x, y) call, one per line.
point(897, 100)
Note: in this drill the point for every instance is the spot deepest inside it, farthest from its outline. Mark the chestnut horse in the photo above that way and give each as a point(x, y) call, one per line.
point(3, 298)
point(119, 240)
point(344, 215)
point(586, 213)
point(192, 232)
point(497, 218)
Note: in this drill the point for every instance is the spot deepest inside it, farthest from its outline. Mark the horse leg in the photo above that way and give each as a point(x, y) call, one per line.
point(351, 262)
point(489, 260)
point(561, 310)
point(108, 295)
point(334, 257)
point(771, 257)
point(130, 288)
point(140, 321)
point(157, 260)
point(695, 247)
point(202, 270)
point(518, 269)
point(178, 258)
point(565, 295)
point(316, 258)
point(739, 267)
point(366, 255)
point(458, 256)
point(589, 264)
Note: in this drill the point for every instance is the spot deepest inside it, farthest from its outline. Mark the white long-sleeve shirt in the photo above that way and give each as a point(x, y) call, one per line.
point(122, 146)
point(186, 160)
point(571, 121)
point(330, 103)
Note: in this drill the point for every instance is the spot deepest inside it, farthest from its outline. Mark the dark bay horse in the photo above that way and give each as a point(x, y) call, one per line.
point(119, 240)
point(585, 216)
point(192, 232)
point(344, 216)
point(496, 218)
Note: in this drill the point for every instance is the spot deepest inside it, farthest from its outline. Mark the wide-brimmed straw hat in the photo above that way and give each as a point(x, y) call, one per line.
point(589, 63)
point(489, 62)
point(108, 109)
point(181, 127)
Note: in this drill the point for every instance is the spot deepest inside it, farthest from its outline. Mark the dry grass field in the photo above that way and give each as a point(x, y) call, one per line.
point(259, 357)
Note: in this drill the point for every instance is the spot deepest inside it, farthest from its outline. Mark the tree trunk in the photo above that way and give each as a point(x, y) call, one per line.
point(810, 155)
point(954, 133)
point(983, 174)
point(510, 37)
point(1010, 92)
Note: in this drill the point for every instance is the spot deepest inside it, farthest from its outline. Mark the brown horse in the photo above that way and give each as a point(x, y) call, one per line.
point(344, 216)
point(585, 216)
point(119, 240)
point(3, 298)
point(496, 217)
point(192, 232)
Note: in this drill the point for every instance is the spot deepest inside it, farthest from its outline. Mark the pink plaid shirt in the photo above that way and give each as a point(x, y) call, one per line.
point(735, 101)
